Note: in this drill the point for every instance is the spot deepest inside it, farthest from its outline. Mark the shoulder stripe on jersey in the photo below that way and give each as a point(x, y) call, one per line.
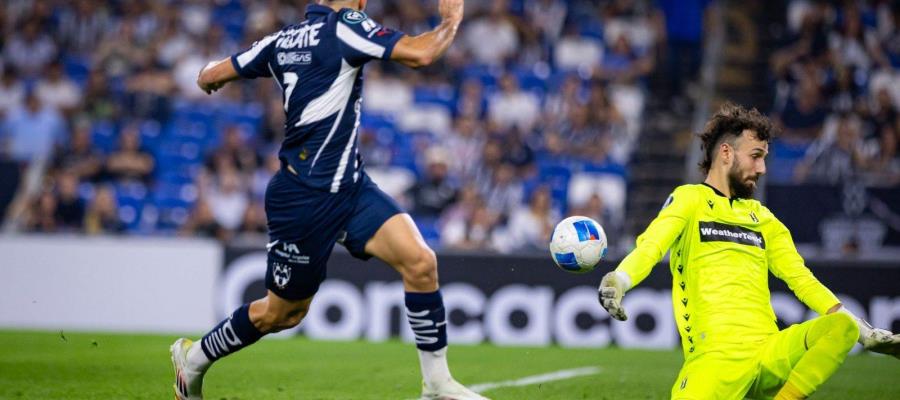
point(249, 55)
point(334, 99)
point(352, 39)
point(345, 157)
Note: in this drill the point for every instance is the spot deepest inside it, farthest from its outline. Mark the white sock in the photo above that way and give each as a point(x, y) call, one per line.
point(197, 359)
point(434, 366)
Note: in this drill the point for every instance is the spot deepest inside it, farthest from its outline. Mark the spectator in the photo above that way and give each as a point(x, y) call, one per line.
point(202, 223)
point(29, 50)
point(804, 113)
point(684, 21)
point(561, 103)
point(512, 107)
point(549, 17)
point(233, 152)
point(585, 138)
point(69, 206)
point(58, 91)
point(464, 146)
point(435, 193)
point(495, 25)
point(505, 191)
point(130, 162)
point(42, 213)
point(576, 52)
point(148, 90)
point(472, 102)
point(81, 25)
point(12, 91)
point(624, 64)
point(253, 221)
point(469, 225)
point(227, 199)
point(79, 157)
point(100, 103)
point(835, 162)
point(102, 216)
point(33, 130)
point(531, 225)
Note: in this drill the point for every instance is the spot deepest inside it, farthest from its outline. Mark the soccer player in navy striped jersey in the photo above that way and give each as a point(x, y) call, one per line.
point(322, 194)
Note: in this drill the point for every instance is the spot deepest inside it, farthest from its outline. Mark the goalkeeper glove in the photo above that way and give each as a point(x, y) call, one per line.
point(874, 339)
point(612, 287)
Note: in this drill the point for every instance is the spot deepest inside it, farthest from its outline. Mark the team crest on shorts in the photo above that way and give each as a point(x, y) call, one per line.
point(282, 274)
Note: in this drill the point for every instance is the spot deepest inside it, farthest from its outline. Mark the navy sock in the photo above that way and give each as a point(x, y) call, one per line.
point(427, 319)
point(232, 334)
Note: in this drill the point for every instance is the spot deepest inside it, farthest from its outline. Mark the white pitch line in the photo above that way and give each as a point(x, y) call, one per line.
point(536, 379)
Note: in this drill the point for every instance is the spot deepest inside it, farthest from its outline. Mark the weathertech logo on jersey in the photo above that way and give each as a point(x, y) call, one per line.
point(716, 232)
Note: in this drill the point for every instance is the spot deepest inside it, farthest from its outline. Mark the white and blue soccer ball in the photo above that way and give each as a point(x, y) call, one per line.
point(578, 244)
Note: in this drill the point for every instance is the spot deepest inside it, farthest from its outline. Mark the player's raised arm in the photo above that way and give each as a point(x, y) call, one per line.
point(651, 247)
point(422, 50)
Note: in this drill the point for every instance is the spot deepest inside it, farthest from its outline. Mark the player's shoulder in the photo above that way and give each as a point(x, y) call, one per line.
point(690, 191)
point(684, 195)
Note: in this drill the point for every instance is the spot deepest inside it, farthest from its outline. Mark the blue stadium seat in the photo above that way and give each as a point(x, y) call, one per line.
point(105, 136)
point(77, 68)
point(428, 226)
point(785, 157)
point(440, 95)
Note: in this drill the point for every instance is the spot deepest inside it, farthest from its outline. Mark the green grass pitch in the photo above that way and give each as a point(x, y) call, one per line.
point(54, 365)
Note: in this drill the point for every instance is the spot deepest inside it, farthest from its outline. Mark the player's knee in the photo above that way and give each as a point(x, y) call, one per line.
point(844, 328)
point(420, 270)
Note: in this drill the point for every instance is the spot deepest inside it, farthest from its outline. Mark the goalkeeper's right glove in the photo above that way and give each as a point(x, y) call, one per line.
point(874, 339)
point(612, 287)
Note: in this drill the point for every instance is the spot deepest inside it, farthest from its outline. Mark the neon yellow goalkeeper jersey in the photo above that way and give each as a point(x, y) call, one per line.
point(722, 251)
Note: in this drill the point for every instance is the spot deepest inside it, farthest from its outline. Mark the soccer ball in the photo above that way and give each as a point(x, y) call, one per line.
point(578, 244)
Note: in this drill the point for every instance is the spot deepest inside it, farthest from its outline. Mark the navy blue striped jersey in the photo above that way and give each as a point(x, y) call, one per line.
point(318, 65)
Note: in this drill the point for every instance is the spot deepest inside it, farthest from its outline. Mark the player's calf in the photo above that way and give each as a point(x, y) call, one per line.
point(272, 314)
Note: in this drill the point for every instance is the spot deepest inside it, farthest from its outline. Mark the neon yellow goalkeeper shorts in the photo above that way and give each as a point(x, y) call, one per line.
point(754, 375)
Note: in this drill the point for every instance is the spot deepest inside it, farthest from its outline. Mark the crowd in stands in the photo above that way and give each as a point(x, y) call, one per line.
point(532, 115)
point(837, 94)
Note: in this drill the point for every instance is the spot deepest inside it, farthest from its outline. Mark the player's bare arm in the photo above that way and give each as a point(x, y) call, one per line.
point(422, 50)
point(215, 75)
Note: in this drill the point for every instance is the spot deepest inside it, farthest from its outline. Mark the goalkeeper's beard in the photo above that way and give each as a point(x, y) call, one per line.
point(741, 187)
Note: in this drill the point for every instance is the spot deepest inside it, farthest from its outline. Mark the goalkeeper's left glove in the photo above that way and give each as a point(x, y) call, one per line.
point(874, 339)
point(612, 287)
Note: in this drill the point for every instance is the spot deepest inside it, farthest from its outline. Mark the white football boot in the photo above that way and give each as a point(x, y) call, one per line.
point(188, 381)
point(449, 390)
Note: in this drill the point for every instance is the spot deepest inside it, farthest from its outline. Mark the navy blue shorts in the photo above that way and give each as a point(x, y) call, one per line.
point(304, 224)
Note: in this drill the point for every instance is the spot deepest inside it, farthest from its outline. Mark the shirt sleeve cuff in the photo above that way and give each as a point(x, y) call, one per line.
point(389, 49)
point(237, 67)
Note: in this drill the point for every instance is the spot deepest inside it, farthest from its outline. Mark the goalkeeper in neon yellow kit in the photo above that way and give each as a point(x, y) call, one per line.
point(723, 246)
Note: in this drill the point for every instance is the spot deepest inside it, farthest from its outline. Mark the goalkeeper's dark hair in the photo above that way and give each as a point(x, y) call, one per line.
point(728, 124)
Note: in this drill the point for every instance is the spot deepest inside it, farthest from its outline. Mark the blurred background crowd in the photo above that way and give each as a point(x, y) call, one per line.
point(541, 109)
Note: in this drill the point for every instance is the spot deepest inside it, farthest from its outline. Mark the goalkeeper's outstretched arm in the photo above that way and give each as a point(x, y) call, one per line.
point(787, 264)
point(651, 246)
